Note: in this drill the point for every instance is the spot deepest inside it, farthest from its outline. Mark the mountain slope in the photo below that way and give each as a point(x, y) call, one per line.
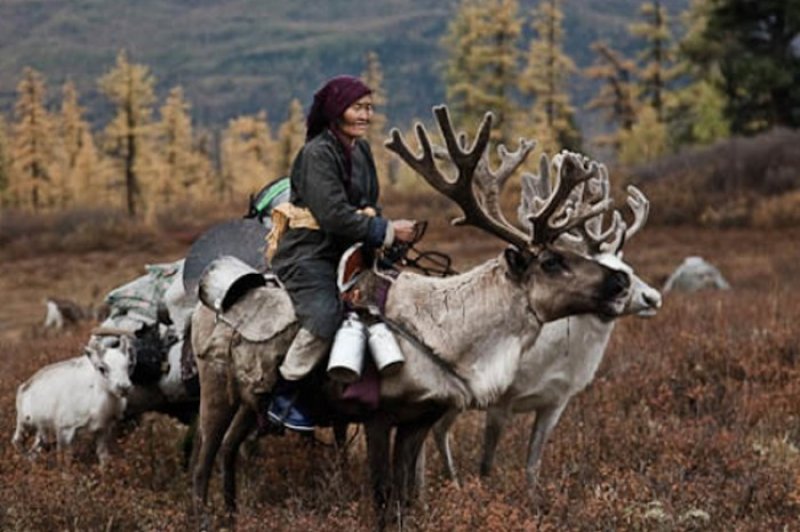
point(240, 56)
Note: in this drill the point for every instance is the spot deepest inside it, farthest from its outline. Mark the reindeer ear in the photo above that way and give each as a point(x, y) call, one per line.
point(518, 262)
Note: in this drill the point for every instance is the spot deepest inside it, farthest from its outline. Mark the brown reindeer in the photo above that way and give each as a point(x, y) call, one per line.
point(463, 335)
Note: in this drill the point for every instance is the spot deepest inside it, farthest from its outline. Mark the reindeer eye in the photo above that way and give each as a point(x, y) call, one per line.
point(553, 264)
point(103, 370)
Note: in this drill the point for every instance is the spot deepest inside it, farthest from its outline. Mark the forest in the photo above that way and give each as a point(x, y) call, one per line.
point(696, 77)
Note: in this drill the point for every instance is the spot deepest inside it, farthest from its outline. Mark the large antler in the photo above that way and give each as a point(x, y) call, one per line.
point(490, 182)
point(462, 190)
point(583, 210)
point(561, 210)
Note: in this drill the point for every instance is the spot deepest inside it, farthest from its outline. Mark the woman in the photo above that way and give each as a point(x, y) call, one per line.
point(334, 180)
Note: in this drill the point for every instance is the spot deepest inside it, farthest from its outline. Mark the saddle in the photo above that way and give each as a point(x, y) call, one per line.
point(247, 315)
point(362, 281)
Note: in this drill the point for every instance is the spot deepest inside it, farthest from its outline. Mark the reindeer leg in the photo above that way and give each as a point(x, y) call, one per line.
point(408, 444)
point(242, 425)
point(546, 419)
point(419, 475)
point(215, 417)
point(340, 434)
point(441, 435)
point(496, 420)
point(377, 431)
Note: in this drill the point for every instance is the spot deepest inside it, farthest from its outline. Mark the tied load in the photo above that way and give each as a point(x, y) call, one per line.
point(227, 279)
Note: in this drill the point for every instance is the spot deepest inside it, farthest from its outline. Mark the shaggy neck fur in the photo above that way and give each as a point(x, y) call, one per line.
point(478, 322)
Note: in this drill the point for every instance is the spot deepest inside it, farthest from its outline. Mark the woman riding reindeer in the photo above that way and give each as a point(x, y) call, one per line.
point(334, 204)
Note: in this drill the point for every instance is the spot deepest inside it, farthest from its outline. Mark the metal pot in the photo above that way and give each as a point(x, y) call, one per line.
point(385, 350)
point(347, 354)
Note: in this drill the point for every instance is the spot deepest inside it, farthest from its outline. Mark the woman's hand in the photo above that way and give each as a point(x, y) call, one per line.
point(404, 230)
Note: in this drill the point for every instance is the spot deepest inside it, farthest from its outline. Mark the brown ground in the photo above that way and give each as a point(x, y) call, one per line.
point(691, 423)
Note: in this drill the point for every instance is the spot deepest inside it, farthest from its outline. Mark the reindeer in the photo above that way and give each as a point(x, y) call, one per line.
point(566, 355)
point(462, 336)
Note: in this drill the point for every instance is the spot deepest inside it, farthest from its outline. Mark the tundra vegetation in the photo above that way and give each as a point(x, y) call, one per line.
point(691, 421)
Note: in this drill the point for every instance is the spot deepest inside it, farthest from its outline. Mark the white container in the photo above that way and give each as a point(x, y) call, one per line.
point(385, 350)
point(347, 353)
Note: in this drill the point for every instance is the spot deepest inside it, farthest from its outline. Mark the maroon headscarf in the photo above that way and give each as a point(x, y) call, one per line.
point(331, 101)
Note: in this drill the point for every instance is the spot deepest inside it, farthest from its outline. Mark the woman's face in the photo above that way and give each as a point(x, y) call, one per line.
point(355, 120)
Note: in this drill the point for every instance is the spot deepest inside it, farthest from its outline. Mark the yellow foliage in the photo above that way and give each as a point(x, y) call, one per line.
point(128, 137)
point(33, 169)
point(645, 141)
point(247, 155)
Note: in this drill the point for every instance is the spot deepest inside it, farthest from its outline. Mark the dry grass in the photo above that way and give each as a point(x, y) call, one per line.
point(691, 423)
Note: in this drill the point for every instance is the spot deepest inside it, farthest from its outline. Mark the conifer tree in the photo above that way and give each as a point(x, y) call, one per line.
point(376, 135)
point(617, 95)
point(129, 86)
point(697, 115)
point(482, 63)
point(209, 187)
point(80, 165)
point(72, 123)
point(291, 137)
point(32, 149)
point(5, 166)
point(459, 42)
point(184, 169)
point(749, 51)
point(373, 78)
point(247, 155)
point(657, 58)
point(646, 140)
point(546, 77)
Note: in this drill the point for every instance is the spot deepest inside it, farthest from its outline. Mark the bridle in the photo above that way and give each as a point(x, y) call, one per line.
point(406, 254)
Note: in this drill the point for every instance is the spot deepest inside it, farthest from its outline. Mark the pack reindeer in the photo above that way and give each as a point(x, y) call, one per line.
point(566, 355)
point(465, 334)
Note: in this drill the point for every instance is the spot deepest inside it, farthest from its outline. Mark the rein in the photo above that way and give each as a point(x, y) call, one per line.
point(440, 265)
point(431, 263)
point(427, 350)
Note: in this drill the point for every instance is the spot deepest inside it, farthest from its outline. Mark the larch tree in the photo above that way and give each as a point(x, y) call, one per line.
point(376, 135)
point(80, 164)
point(482, 66)
point(183, 168)
point(546, 77)
point(291, 137)
point(645, 141)
point(209, 186)
point(5, 162)
point(459, 42)
point(33, 146)
point(617, 96)
point(247, 156)
point(657, 58)
point(129, 86)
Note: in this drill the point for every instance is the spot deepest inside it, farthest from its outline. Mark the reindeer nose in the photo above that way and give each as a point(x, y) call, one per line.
point(653, 299)
point(616, 283)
